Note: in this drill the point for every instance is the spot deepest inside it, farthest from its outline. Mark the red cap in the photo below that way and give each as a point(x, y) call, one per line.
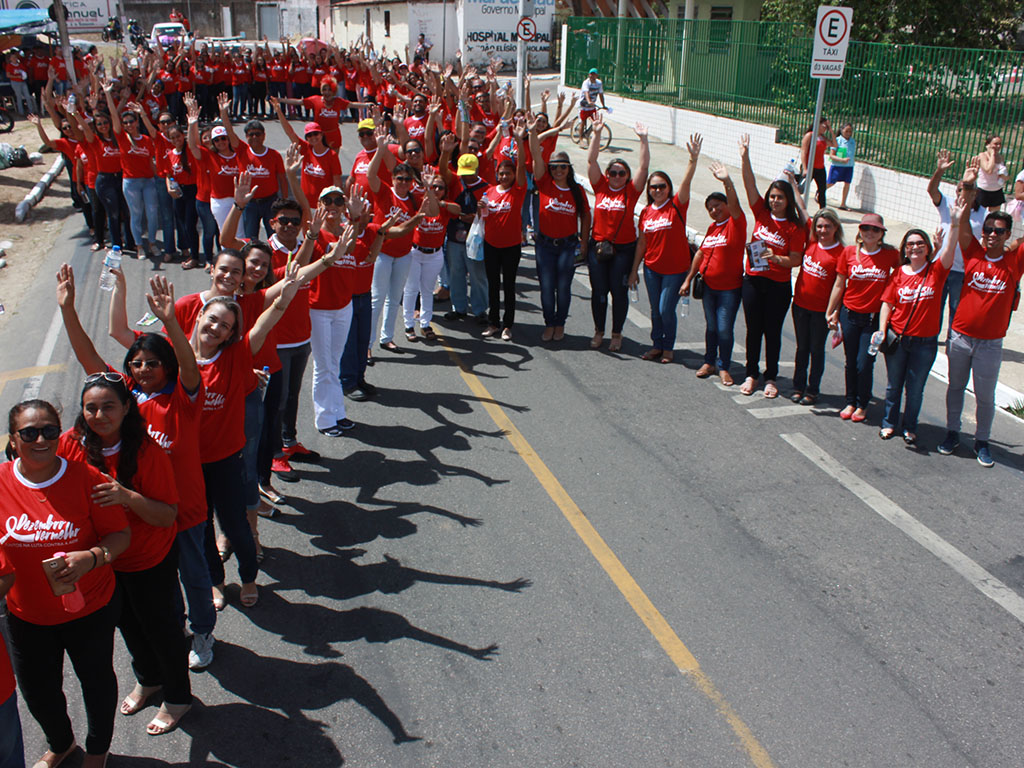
point(312, 128)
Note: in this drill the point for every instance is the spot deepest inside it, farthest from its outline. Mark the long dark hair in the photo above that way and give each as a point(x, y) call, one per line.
point(17, 410)
point(578, 195)
point(133, 434)
point(161, 349)
point(904, 259)
point(185, 151)
point(792, 212)
point(671, 189)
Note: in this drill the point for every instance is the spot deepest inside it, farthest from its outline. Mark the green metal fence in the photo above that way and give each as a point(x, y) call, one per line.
point(906, 102)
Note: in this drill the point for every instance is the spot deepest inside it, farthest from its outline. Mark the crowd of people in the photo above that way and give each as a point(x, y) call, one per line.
point(172, 460)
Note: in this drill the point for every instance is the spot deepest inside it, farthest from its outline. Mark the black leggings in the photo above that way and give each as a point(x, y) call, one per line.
point(502, 265)
point(270, 436)
point(99, 217)
point(811, 332)
point(151, 628)
point(765, 303)
point(37, 654)
point(820, 183)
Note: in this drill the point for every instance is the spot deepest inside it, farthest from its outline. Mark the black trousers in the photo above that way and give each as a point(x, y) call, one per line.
point(820, 183)
point(502, 265)
point(37, 654)
point(151, 628)
point(225, 496)
point(765, 303)
point(811, 331)
point(270, 436)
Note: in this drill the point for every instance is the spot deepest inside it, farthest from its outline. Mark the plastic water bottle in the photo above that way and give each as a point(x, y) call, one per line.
point(876, 341)
point(111, 261)
point(684, 306)
point(634, 294)
point(174, 185)
point(792, 167)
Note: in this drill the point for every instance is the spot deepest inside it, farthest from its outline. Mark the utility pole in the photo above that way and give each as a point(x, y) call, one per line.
point(65, 42)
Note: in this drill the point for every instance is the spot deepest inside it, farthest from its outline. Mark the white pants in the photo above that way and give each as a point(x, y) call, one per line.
point(329, 332)
point(221, 207)
point(389, 274)
point(422, 278)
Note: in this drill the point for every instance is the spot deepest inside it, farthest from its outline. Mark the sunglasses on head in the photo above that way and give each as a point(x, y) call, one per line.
point(31, 434)
point(990, 230)
point(870, 228)
point(617, 172)
point(112, 376)
point(293, 220)
point(332, 200)
point(138, 365)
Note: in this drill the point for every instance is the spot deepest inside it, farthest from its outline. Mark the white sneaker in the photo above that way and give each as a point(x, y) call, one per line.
point(201, 655)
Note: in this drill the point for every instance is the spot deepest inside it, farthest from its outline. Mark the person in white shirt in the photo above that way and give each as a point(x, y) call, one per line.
point(591, 92)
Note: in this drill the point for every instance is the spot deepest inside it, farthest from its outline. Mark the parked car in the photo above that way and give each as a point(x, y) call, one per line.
point(169, 32)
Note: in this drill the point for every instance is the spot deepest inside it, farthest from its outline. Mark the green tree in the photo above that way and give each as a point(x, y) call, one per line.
point(950, 23)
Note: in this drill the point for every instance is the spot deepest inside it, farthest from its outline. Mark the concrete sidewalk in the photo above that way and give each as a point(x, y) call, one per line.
point(672, 160)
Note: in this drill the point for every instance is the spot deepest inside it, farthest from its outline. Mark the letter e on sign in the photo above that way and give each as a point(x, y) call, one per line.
point(831, 39)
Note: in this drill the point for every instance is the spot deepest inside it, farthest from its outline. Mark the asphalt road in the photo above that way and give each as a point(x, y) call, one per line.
point(530, 554)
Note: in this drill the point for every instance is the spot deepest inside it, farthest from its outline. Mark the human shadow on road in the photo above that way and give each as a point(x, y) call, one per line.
point(310, 685)
point(340, 578)
point(437, 405)
point(316, 627)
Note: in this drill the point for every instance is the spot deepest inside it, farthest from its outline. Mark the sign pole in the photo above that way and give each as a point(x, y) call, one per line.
point(65, 42)
point(520, 58)
point(814, 141)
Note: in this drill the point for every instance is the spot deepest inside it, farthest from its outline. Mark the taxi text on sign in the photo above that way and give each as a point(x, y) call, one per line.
point(831, 39)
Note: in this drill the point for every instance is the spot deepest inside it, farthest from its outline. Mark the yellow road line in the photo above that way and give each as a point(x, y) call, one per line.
point(638, 601)
point(27, 373)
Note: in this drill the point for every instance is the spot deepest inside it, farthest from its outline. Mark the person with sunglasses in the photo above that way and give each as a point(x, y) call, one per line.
point(613, 238)
point(427, 254)
point(366, 131)
point(50, 505)
point(321, 166)
point(660, 249)
point(166, 194)
point(139, 173)
point(912, 307)
point(327, 108)
point(111, 435)
point(862, 273)
point(990, 294)
point(221, 164)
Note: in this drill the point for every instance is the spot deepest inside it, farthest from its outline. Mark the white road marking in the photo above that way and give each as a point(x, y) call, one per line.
point(33, 385)
point(978, 577)
point(778, 411)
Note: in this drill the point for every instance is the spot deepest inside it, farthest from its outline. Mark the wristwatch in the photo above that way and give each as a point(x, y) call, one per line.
point(106, 555)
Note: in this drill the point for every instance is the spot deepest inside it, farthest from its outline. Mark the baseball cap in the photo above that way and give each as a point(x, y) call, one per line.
point(312, 128)
point(217, 132)
point(873, 220)
point(331, 190)
point(593, 71)
point(467, 165)
point(366, 125)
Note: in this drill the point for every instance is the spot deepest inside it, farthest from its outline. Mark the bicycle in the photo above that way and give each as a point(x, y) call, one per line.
point(581, 135)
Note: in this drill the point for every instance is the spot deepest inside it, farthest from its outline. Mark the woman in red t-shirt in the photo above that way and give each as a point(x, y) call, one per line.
point(111, 435)
point(427, 254)
point(613, 238)
point(810, 300)
point(719, 260)
point(102, 146)
point(661, 249)
point(50, 509)
point(221, 164)
point(861, 275)
point(139, 173)
point(258, 87)
point(321, 167)
point(912, 308)
point(777, 245)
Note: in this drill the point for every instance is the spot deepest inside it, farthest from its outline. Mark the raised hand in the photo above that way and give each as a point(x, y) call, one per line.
point(244, 191)
point(380, 133)
point(348, 236)
point(640, 129)
point(939, 235)
point(719, 171)
point(191, 109)
point(161, 299)
point(744, 145)
point(223, 102)
point(291, 281)
point(398, 114)
point(943, 160)
point(293, 159)
point(34, 119)
point(316, 221)
point(357, 205)
point(447, 144)
point(693, 146)
point(598, 122)
point(65, 286)
point(971, 171)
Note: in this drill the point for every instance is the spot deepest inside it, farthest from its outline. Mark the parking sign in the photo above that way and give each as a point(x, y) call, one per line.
point(831, 39)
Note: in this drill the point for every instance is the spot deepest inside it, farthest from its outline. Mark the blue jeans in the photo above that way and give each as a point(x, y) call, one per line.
point(720, 308)
point(951, 293)
point(606, 277)
point(908, 367)
point(194, 575)
point(12, 744)
point(253, 427)
point(353, 359)
point(860, 366)
point(459, 266)
point(144, 206)
point(185, 214)
point(555, 268)
point(166, 205)
point(256, 211)
point(239, 100)
point(210, 229)
point(663, 293)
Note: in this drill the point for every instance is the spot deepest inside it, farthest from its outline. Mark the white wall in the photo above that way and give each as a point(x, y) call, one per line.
point(298, 18)
point(439, 23)
point(355, 15)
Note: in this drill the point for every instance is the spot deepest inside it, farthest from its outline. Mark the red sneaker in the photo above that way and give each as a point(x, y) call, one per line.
point(299, 452)
point(284, 471)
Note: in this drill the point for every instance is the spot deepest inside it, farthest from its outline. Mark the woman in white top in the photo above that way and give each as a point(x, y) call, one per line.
point(992, 175)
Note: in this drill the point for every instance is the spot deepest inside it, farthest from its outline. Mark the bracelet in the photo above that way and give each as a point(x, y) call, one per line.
point(93, 560)
point(239, 207)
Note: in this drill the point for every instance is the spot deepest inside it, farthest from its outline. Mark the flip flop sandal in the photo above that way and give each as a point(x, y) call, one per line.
point(56, 760)
point(249, 599)
point(136, 701)
point(410, 335)
point(166, 720)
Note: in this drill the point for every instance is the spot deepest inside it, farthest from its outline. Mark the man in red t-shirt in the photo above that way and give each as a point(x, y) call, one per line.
point(268, 177)
point(989, 295)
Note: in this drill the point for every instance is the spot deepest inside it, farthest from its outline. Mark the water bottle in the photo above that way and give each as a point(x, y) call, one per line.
point(684, 306)
point(876, 341)
point(792, 167)
point(111, 261)
point(174, 185)
point(634, 294)
point(72, 102)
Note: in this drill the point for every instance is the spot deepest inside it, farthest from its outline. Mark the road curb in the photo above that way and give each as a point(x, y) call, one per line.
point(33, 197)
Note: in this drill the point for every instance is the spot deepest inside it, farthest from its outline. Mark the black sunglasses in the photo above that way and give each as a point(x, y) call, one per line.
point(363, 134)
point(333, 200)
point(403, 178)
point(870, 228)
point(254, 133)
point(617, 173)
point(656, 187)
point(138, 365)
point(165, 122)
point(31, 434)
point(413, 151)
point(994, 230)
point(293, 220)
point(553, 166)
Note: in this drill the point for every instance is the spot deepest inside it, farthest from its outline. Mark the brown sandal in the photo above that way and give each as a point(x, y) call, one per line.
point(651, 354)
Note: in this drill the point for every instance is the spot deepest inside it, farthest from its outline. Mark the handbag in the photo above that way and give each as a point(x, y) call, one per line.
point(605, 249)
point(892, 340)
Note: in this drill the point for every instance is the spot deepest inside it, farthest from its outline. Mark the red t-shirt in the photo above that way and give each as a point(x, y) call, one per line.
point(265, 169)
point(387, 204)
point(202, 75)
point(781, 236)
point(68, 148)
point(301, 73)
point(278, 71)
point(154, 479)
point(169, 80)
point(362, 163)
point(293, 328)
point(816, 277)
point(222, 172)
point(43, 519)
point(107, 155)
point(613, 212)
point(723, 248)
point(866, 275)
point(986, 300)
point(176, 166)
point(40, 66)
point(332, 288)
point(417, 127)
point(162, 146)
point(558, 214)
point(88, 163)
point(172, 420)
point(503, 226)
point(430, 232)
point(362, 277)
point(318, 171)
point(17, 74)
point(667, 250)
point(60, 66)
point(240, 74)
point(226, 379)
point(916, 299)
point(327, 115)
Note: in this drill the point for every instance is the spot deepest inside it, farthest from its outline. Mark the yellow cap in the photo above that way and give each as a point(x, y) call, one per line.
point(467, 165)
point(366, 125)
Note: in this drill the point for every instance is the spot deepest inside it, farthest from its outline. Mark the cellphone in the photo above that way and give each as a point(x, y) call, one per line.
point(53, 566)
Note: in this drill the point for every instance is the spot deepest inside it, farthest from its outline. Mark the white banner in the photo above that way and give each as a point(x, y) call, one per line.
point(83, 15)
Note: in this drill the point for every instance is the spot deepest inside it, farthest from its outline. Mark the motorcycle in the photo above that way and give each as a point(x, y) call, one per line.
point(112, 31)
point(135, 33)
